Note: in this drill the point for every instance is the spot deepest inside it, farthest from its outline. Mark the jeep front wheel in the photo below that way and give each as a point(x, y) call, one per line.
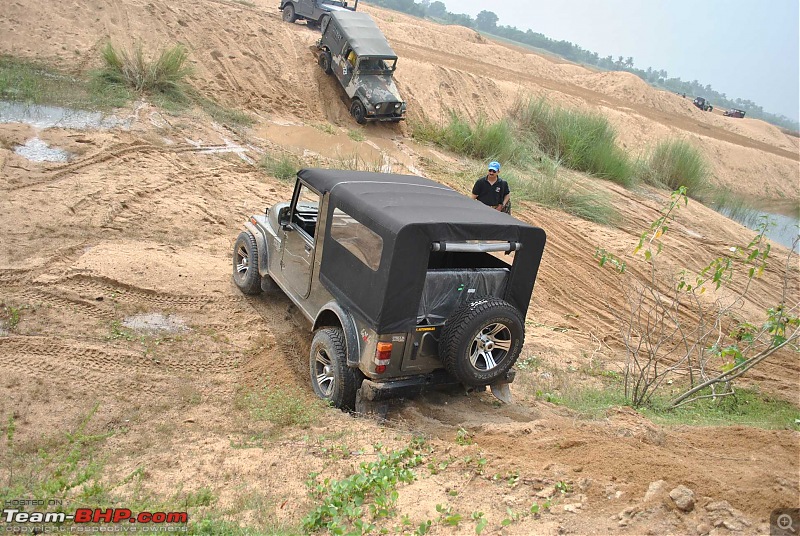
point(358, 112)
point(288, 13)
point(482, 341)
point(325, 62)
point(331, 378)
point(245, 264)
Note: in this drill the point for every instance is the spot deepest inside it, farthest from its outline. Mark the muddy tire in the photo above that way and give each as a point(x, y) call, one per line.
point(358, 112)
point(245, 264)
point(331, 378)
point(325, 62)
point(482, 340)
point(288, 13)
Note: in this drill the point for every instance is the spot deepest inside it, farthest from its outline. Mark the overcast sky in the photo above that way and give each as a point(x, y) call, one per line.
point(746, 49)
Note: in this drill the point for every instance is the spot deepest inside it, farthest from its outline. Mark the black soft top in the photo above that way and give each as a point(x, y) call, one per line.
point(410, 213)
point(363, 34)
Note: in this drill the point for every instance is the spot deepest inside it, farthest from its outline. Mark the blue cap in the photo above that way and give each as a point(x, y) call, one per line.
point(495, 166)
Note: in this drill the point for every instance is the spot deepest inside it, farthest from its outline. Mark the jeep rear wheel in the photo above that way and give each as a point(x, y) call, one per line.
point(325, 62)
point(288, 13)
point(245, 264)
point(331, 378)
point(358, 112)
point(482, 341)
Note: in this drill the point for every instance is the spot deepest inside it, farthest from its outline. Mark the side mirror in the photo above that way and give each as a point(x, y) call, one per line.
point(283, 218)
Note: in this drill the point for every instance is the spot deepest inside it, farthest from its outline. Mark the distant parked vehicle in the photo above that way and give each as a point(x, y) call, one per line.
point(703, 104)
point(314, 12)
point(733, 112)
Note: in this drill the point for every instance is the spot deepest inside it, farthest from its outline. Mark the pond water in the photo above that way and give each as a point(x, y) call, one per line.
point(784, 217)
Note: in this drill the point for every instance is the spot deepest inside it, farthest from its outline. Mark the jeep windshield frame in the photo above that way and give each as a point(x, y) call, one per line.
point(376, 65)
point(410, 214)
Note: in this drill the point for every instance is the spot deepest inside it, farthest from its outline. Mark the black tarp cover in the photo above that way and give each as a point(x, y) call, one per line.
point(410, 213)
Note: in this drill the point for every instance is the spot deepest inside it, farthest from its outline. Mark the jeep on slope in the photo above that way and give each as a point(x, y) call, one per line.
point(315, 12)
point(703, 104)
point(355, 51)
point(402, 281)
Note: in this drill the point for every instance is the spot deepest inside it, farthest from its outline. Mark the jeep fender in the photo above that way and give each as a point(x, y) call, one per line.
point(348, 327)
point(263, 252)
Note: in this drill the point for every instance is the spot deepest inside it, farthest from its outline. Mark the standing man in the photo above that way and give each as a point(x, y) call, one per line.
point(493, 191)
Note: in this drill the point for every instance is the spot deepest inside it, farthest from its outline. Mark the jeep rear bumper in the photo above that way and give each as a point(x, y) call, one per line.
point(375, 391)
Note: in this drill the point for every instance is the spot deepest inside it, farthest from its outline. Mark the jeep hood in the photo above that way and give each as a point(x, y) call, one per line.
point(377, 89)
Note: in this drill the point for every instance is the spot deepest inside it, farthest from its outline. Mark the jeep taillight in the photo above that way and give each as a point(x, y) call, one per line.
point(383, 354)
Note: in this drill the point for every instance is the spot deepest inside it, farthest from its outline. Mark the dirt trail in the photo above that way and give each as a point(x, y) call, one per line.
point(140, 222)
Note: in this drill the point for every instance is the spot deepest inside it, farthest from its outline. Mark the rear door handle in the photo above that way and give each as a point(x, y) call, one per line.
point(307, 247)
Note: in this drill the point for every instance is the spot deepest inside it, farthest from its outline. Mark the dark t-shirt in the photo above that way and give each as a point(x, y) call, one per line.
point(490, 194)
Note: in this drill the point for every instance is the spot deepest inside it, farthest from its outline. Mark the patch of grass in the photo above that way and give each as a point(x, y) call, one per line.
point(357, 163)
point(356, 134)
point(484, 140)
point(327, 128)
point(580, 141)
point(342, 503)
point(283, 167)
point(10, 315)
point(676, 163)
point(165, 74)
point(225, 116)
point(30, 82)
point(284, 408)
point(747, 407)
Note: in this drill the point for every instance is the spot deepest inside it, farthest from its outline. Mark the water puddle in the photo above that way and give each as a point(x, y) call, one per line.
point(54, 116)
point(155, 323)
point(36, 150)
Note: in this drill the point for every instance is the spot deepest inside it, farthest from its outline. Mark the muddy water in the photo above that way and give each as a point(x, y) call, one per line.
point(36, 150)
point(55, 116)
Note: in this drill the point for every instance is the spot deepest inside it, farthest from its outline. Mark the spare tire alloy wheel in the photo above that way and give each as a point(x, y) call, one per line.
point(358, 112)
point(325, 62)
point(331, 378)
point(482, 341)
point(288, 13)
point(245, 264)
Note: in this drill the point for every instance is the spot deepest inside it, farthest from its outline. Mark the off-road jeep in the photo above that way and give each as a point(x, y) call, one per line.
point(314, 12)
point(703, 104)
point(733, 112)
point(405, 283)
point(355, 51)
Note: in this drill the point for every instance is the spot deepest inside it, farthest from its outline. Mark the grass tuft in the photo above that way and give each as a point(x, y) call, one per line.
point(580, 141)
point(164, 75)
point(676, 163)
point(484, 140)
point(283, 167)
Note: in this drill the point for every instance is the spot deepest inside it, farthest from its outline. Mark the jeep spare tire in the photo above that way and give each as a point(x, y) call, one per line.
point(482, 340)
point(288, 13)
point(358, 112)
point(325, 62)
point(245, 264)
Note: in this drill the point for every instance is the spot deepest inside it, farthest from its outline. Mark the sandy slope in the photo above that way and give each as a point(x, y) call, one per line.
point(141, 221)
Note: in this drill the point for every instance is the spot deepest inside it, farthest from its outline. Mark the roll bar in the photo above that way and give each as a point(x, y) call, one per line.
point(480, 247)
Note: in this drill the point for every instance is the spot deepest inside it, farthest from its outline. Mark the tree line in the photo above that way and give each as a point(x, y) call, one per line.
point(486, 21)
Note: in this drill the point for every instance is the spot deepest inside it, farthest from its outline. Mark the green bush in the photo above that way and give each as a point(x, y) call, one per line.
point(677, 163)
point(283, 167)
point(482, 140)
point(164, 75)
point(580, 141)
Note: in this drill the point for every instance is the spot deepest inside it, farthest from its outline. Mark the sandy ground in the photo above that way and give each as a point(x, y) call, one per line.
point(120, 262)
